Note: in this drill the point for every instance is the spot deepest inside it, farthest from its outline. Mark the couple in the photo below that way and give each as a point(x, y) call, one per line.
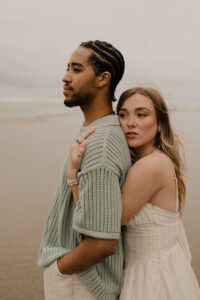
point(129, 173)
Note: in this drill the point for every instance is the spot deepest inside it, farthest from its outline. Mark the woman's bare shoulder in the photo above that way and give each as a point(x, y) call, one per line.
point(157, 163)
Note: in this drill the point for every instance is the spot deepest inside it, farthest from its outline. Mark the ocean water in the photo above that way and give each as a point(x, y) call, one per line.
point(35, 138)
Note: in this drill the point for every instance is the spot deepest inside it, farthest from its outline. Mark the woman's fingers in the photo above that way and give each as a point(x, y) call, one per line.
point(81, 149)
point(86, 134)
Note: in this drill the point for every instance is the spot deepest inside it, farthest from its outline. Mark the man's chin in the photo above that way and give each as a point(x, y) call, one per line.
point(77, 100)
point(69, 103)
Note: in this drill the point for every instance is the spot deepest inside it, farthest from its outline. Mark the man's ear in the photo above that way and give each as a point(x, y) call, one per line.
point(103, 79)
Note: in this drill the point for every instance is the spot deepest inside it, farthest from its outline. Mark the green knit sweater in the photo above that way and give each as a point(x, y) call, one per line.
point(98, 211)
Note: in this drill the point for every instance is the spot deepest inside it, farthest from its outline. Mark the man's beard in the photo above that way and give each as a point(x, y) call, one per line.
point(79, 99)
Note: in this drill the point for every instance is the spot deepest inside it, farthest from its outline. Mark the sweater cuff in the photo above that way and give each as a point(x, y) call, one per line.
point(97, 234)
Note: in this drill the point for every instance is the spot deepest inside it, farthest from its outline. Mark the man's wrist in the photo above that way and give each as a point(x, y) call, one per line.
point(60, 266)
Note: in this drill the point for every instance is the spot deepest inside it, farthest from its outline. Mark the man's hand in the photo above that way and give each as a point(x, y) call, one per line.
point(88, 253)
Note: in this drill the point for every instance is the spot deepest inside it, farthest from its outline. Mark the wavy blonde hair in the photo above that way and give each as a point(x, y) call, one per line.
point(165, 140)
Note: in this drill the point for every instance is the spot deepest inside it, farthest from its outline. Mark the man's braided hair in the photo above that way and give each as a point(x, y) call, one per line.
point(105, 57)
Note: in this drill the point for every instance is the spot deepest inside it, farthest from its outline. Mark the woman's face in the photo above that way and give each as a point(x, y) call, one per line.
point(138, 120)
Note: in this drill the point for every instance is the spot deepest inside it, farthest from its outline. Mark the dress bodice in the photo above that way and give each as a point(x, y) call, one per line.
point(157, 257)
point(151, 232)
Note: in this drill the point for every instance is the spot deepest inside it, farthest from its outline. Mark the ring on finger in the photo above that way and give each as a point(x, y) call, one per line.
point(77, 141)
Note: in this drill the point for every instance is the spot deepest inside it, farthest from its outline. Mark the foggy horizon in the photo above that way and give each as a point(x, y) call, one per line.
point(158, 41)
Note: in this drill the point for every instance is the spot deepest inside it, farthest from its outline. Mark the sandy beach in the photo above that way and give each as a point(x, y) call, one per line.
point(34, 140)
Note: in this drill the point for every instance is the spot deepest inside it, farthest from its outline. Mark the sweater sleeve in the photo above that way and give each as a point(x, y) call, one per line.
point(98, 211)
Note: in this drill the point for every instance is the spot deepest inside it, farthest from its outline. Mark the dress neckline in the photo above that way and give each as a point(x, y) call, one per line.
point(156, 207)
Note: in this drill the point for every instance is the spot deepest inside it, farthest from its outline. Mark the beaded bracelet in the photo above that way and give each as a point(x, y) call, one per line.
point(72, 182)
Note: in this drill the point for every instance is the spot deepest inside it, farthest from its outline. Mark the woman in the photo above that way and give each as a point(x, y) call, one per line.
point(157, 258)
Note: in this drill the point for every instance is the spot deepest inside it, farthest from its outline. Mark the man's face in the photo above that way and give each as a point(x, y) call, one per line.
point(80, 80)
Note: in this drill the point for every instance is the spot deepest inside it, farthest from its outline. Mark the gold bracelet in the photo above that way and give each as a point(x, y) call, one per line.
point(72, 182)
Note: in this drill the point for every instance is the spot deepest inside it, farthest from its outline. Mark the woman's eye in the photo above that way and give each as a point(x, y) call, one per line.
point(140, 115)
point(122, 115)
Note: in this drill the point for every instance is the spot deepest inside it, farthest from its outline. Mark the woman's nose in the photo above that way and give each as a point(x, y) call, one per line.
point(131, 122)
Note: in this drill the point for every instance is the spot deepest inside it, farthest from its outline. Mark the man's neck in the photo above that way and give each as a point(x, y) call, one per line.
point(95, 111)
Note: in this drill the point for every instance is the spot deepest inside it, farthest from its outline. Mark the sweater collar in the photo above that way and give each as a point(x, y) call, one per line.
point(104, 121)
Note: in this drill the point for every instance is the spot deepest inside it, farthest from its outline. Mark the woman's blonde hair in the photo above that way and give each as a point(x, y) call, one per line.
point(165, 140)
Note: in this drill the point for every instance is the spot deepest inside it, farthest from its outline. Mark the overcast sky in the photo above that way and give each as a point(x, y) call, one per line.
point(159, 40)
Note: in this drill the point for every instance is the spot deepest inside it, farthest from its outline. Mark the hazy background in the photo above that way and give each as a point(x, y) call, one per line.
point(159, 40)
point(160, 43)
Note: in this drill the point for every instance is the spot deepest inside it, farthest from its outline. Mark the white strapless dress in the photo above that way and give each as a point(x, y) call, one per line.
point(157, 258)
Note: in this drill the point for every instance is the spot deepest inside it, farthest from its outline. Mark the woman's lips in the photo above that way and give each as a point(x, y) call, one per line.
point(131, 135)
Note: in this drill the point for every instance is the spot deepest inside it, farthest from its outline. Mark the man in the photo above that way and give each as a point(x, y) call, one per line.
point(81, 249)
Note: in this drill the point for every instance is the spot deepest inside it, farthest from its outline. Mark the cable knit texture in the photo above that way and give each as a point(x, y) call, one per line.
point(98, 211)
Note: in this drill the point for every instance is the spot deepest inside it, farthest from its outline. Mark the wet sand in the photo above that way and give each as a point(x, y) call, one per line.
point(34, 141)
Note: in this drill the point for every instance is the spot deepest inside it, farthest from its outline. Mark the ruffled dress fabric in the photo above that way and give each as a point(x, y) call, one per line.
point(158, 258)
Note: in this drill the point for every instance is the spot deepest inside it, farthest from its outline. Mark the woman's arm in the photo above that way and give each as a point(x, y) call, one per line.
point(74, 163)
point(71, 177)
point(142, 182)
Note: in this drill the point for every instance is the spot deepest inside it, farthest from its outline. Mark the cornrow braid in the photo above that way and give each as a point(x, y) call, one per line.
point(106, 57)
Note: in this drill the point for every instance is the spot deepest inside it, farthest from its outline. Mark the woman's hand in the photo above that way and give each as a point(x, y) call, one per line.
point(76, 154)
